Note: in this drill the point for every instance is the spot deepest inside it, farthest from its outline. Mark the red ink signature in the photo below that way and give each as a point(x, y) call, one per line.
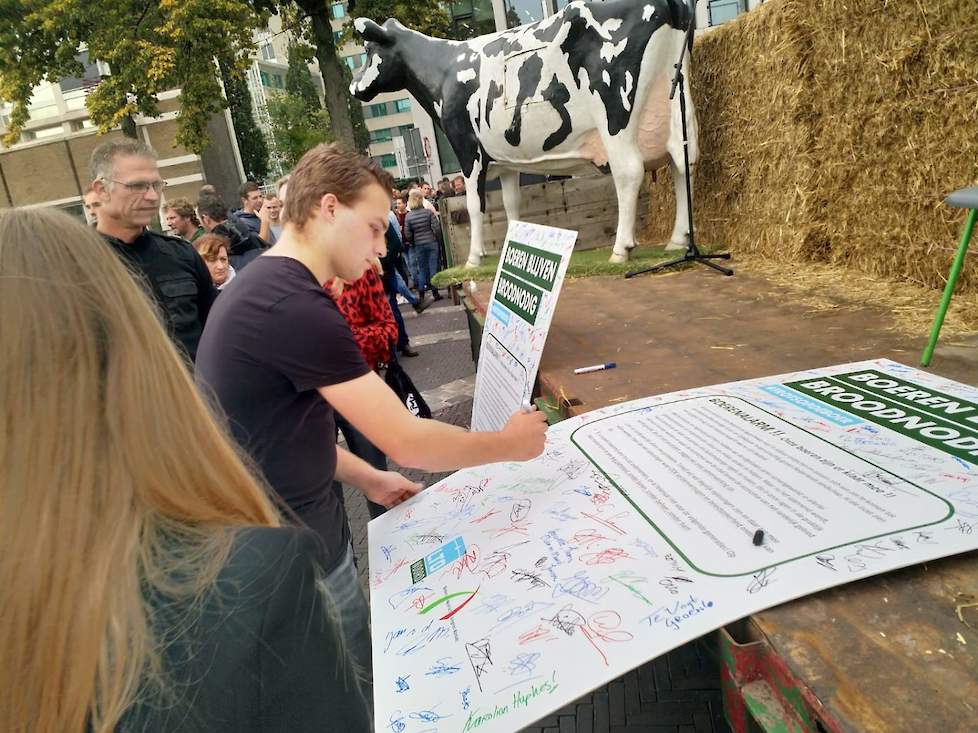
point(484, 517)
point(609, 523)
point(540, 633)
point(605, 557)
point(588, 537)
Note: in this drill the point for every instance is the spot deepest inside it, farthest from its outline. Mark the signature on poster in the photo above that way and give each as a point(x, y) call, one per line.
point(480, 658)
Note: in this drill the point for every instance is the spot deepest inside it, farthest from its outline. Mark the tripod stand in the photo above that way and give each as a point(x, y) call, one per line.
point(692, 253)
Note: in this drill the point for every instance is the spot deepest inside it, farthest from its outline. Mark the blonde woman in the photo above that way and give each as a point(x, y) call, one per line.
point(146, 580)
point(422, 234)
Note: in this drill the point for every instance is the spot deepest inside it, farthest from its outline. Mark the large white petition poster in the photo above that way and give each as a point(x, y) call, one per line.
point(531, 270)
point(507, 591)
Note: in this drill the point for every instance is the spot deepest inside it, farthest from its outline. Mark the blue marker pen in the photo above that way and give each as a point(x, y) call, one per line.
point(595, 368)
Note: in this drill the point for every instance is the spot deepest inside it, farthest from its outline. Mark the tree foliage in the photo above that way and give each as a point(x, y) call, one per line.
point(150, 47)
point(251, 141)
point(298, 79)
point(296, 127)
point(425, 16)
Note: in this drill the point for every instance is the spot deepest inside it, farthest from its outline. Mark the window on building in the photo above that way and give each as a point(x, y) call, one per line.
point(267, 51)
point(471, 18)
point(403, 129)
point(720, 11)
point(378, 110)
point(265, 81)
point(46, 132)
point(277, 81)
point(336, 37)
point(519, 12)
point(388, 161)
point(402, 105)
point(88, 80)
point(42, 104)
point(381, 136)
point(355, 61)
point(338, 11)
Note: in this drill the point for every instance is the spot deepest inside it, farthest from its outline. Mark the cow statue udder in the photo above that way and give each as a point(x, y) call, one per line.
point(585, 89)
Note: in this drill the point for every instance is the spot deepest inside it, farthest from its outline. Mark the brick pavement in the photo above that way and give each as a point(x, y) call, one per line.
point(676, 693)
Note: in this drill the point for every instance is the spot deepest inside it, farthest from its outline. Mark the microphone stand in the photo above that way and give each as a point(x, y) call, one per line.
point(692, 253)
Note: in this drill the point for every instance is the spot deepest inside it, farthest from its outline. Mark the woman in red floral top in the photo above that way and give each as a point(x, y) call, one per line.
point(366, 308)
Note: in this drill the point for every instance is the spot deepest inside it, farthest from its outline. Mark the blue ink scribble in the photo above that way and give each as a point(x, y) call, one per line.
point(429, 716)
point(675, 615)
point(397, 599)
point(523, 664)
point(579, 586)
point(396, 723)
point(387, 550)
point(442, 667)
point(465, 698)
point(401, 685)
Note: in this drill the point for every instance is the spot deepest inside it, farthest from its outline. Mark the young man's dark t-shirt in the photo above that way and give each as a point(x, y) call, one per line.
point(272, 338)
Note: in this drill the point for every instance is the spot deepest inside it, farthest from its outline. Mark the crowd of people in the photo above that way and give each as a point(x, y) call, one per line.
point(175, 553)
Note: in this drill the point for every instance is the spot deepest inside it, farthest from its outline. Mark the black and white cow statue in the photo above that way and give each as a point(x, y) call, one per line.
point(585, 89)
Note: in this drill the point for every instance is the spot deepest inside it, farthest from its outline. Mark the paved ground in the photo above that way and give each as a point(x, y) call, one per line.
point(677, 693)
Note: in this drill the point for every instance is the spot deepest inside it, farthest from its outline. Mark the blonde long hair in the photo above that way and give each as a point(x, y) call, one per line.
point(115, 482)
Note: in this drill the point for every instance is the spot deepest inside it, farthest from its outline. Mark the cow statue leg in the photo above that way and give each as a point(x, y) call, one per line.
point(628, 171)
point(510, 182)
point(473, 203)
point(680, 229)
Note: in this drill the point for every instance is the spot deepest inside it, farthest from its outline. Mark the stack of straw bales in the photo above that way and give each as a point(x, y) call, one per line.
point(831, 130)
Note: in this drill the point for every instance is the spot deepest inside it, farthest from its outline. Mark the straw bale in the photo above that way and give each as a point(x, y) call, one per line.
point(831, 130)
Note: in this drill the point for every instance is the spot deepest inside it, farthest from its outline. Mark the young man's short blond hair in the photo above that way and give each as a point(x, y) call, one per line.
point(329, 169)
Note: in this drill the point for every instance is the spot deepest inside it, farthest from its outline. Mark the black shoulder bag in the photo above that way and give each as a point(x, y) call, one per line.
point(400, 383)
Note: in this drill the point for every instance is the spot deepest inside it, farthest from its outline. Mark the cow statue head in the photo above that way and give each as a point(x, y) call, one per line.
point(384, 68)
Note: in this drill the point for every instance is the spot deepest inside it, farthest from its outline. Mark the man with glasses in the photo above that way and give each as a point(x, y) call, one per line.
point(128, 184)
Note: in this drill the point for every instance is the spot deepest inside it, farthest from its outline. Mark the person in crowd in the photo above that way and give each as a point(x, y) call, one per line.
point(91, 204)
point(400, 210)
point(407, 264)
point(425, 190)
point(213, 216)
point(394, 272)
point(281, 186)
point(422, 234)
point(213, 248)
point(150, 584)
point(271, 222)
point(181, 219)
point(458, 185)
point(365, 307)
point(251, 203)
point(128, 183)
point(444, 189)
point(278, 358)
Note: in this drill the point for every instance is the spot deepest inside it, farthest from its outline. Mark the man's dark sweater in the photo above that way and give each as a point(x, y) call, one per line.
point(175, 276)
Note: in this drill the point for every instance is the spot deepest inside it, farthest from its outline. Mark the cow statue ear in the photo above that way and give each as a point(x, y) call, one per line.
point(370, 31)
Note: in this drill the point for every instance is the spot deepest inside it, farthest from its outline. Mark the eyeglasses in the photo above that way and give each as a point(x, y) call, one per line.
point(140, 187)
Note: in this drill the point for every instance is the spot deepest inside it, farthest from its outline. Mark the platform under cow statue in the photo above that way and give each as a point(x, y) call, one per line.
point(582, 91)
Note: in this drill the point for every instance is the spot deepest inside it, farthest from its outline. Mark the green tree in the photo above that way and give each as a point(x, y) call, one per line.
point(298, 79)
point(296, 127)
point(425, 16)
point(251, 142)
point(150, 47)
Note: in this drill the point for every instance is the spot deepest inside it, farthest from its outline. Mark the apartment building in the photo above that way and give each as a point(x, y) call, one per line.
point(48, 165)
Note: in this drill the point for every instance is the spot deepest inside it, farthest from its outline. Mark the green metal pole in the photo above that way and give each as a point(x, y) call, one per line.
point(952, 278)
